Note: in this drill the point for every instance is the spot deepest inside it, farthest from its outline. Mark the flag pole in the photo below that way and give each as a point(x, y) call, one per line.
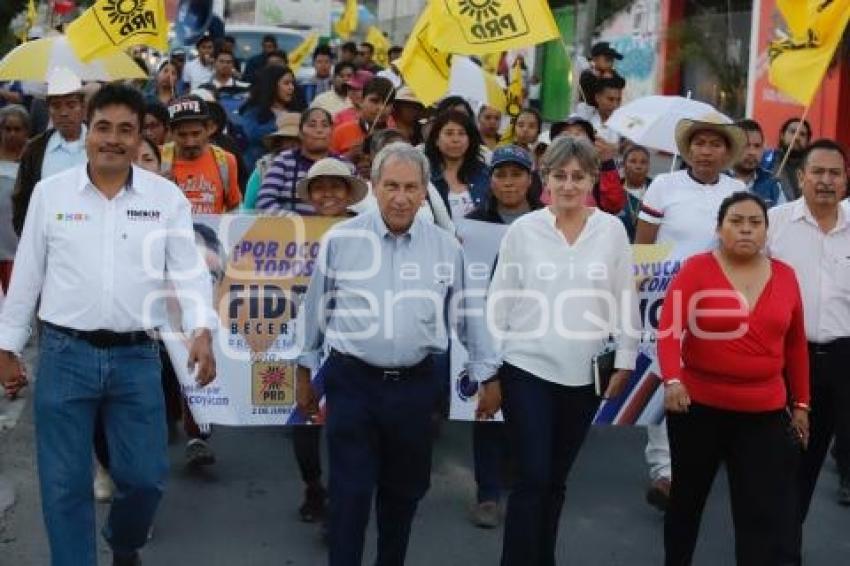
point(793, 140)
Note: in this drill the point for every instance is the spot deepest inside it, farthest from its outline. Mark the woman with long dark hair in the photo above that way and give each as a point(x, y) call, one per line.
point(273, 93)
point(457, 169)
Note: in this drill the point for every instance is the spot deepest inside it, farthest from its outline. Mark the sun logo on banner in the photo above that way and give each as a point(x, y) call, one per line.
point(122, 11)
point(480, 9)
point(489, 21)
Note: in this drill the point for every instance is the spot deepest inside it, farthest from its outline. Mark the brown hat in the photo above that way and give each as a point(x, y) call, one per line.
point(332, 167)
point(715, 122)
point(288, 126)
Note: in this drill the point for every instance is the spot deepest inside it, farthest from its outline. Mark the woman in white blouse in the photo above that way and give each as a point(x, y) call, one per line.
point(562, 286)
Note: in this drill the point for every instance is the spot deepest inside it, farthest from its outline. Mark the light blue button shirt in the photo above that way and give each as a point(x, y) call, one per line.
point(389, 299)
point(60, 154)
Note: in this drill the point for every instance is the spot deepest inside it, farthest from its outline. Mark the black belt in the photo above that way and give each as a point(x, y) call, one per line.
point(103, 338)
point(387, 374)
point(828, 348)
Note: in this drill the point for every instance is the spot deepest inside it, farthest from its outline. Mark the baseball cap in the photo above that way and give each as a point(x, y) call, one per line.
point(604, 48)
point(511, 154)
point(188, 108)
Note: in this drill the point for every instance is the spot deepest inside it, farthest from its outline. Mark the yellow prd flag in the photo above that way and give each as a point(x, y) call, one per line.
point(478, 27)
point(491, 61)
point(382, 46)
point(114, 25)
point(303, 50)
point(347, 22)
point(32, 16)
point(425, 69)
point(798, 63)
point(515, 97)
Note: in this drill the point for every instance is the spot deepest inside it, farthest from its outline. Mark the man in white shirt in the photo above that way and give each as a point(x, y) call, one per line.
point(223, 77)
point(57, 149)
point(200, 70)
point(94, 250)
point(336, 99)
point(812, 234)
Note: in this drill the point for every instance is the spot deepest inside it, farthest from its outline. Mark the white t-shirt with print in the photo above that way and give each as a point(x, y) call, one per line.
point(461, 203)
point(686, 210)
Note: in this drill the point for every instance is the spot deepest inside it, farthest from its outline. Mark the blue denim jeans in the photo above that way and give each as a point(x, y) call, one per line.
point(75, 380)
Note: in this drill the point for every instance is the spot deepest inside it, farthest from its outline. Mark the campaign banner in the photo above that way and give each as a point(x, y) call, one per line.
point(481, 241)
point(642, 403)
point(260, 266)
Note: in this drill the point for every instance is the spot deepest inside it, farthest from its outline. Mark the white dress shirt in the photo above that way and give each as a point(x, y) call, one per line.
point(822, 264)
point(60, 154)
point(100, 263)
point(553, 305)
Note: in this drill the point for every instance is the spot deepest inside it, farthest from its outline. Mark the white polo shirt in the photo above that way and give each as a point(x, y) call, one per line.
point(821, 262)
point(686, 210)
point(100, 263)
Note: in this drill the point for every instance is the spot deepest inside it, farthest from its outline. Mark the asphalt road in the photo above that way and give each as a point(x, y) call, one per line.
point(242, 512)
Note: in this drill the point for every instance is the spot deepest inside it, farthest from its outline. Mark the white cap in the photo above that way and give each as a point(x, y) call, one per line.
point(62, 80)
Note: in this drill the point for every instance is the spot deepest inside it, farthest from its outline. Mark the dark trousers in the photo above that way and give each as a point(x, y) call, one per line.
point(379, 443)
point(760, 456)
point(490, 456)
point(830, 416)
point(305, 445)
point(546, 425)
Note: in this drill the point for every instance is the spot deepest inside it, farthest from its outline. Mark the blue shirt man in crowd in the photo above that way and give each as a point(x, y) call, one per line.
point(385, 288)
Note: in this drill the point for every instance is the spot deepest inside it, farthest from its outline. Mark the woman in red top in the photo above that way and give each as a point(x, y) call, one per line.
point(731, 347)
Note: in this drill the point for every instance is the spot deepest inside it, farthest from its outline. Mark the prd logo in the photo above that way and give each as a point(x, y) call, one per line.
point(123, 18)
point(483, 21)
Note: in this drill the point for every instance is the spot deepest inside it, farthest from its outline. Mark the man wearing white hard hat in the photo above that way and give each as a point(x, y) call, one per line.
point(59, 148)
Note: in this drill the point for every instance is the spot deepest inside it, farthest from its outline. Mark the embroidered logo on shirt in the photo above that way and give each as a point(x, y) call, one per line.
point(72, 217)
point(143, 215)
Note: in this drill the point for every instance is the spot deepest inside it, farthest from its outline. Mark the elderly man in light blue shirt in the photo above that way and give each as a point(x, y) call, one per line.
point(387, 289)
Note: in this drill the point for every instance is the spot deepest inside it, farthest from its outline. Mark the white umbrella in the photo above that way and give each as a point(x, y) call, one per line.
point(33, 60)
point(651, 121)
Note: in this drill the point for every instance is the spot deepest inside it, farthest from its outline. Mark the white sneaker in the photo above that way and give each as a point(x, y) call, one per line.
point(103, 486)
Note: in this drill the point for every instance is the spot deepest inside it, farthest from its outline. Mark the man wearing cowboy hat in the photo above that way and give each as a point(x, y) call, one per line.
point(59, 148)
point(681, 208)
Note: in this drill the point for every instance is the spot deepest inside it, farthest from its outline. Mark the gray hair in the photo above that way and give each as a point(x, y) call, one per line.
point(401, 151)
point(15, 110)
point(564, 149)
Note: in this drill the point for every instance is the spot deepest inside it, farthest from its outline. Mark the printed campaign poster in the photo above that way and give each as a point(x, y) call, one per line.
point(643, 401)
point(481, 241)
point(260, 267)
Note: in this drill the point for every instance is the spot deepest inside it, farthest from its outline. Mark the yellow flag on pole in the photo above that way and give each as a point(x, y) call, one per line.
point(514, 97)
point(479, 27)
point(347, 22)
point(799, 62)
point(114, 25)
point(382, 46)
point(32, 16)
point(303, 50)
point(425, 68)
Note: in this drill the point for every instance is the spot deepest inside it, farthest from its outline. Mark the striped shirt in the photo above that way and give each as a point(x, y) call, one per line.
point(277, 193)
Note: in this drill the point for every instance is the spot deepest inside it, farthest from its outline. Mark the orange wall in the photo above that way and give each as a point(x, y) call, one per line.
point(830, 108)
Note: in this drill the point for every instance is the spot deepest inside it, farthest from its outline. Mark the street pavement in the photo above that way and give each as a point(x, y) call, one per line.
point(243, 510)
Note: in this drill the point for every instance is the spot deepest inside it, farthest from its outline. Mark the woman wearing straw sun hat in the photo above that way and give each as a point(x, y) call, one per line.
point(287, 136)
point(330, 187)
point(680, 208)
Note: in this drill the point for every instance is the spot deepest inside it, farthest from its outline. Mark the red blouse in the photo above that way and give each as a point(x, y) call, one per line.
point(727, 355)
